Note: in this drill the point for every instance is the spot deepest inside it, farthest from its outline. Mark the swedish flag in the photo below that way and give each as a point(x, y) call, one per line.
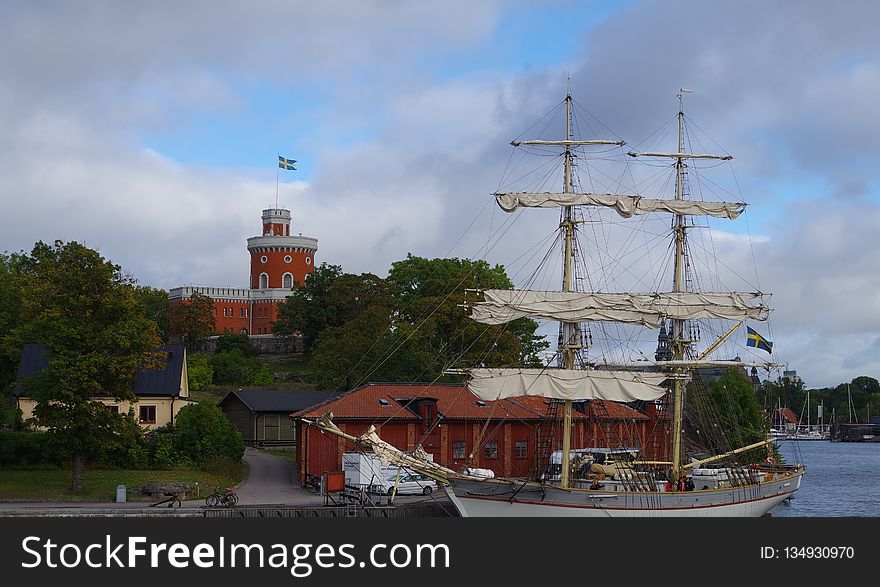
point(286, 163)
point(756, 340)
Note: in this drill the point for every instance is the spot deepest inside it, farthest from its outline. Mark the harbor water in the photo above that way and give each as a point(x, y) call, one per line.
point(842, 479)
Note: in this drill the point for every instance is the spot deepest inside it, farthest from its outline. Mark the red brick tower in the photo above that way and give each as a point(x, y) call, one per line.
point(279, 262)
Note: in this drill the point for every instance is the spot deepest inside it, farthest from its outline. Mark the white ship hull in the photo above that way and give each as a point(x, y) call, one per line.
point(504, 498)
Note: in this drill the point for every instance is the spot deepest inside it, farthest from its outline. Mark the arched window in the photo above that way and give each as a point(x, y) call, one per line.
point(264, 281)
point(287, 281)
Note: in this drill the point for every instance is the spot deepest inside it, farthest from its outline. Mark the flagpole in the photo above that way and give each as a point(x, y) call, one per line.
point(277, 167)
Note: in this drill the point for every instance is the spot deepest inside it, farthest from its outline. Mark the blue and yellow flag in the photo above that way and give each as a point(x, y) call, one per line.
point(286, 163)
point(756, 340)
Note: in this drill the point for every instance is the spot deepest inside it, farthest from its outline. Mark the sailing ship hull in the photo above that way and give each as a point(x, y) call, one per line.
point(505, 498)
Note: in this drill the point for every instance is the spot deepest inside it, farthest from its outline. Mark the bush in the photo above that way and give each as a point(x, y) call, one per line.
point(233, 342)
point(203, 434)
point(23, 449)
point(200, 374)
point(233, 367)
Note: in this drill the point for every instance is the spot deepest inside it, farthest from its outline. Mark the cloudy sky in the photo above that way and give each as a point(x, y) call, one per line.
point(150, 131)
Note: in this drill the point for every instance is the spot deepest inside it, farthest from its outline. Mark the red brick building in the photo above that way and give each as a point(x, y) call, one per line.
point(450, 423)
point(279, 260)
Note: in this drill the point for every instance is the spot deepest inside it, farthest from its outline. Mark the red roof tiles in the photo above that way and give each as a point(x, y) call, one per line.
point(384, 401)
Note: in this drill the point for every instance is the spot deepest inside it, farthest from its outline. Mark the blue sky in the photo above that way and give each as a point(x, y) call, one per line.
point(163, 125)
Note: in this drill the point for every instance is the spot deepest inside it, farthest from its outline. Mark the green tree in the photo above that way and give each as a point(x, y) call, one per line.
point(155, 303)
point(431, 293)
point(234, 368)
point(307, 310)
point(192, 321)
point(241, 342)
point(12, 269)
point(734, 417)
point(87, 314)
point(203, 434)
point(200, 374)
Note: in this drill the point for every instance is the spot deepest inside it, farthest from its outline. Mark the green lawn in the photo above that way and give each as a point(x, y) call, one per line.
point(100, 484)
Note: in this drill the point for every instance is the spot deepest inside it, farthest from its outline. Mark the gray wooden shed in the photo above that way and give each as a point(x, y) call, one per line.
point(262, 415)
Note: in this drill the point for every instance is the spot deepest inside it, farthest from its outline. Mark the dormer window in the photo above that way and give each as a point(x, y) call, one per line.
point(383, 402)
point(481, 403)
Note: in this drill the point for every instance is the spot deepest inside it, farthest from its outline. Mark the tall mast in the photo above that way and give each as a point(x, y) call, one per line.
point(678, 343)
point(569, 342)
point(568, 328)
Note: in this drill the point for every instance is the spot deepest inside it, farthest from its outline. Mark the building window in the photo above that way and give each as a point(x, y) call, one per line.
point(241, 312)
point(491, 450)
point(522, 449)
point(263, 259)
point(308, 260)
point(224, 312)
point(458, 449)
point(288, 258)
point(214, 312)
point(287, 281)
point(264, 281)
point(113, 409)
point(147, 414)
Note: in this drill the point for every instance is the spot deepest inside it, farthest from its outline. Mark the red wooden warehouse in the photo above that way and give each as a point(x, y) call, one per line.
point(451, 423)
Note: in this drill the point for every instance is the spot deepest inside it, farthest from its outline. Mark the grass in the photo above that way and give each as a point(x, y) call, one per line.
point(100, 484)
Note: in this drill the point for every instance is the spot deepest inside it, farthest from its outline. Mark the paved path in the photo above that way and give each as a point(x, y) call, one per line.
point(271, 481)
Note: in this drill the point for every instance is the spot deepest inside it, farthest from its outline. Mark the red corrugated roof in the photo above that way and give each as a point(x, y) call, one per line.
point(376, 401)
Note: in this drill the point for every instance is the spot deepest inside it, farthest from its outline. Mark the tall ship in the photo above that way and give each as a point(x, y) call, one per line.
point(695, 478)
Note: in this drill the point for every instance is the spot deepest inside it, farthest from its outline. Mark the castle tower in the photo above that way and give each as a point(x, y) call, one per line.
point(279, 260)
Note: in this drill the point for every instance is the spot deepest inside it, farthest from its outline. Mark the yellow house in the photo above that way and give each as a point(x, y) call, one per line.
point(161, 391)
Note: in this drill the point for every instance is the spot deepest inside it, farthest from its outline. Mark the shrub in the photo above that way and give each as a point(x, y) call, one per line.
point(23, 449)
point(203, 434)
point(200, 374)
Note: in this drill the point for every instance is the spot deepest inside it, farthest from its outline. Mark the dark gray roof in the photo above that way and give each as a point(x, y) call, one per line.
point(267, 400)
point(161, 381)
point(33, 360)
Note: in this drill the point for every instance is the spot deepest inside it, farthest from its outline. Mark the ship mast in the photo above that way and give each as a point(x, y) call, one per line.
point(569, 329)
point(570, 338)
point(678, 342)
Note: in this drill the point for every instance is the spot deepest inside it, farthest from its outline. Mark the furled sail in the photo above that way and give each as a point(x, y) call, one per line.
point(501, 306)
point(625, 205)
point(566, 384)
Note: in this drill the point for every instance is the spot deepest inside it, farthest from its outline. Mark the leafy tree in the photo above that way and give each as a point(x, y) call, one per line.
point(203, 434)
point(431, 293)
point(12, 269)
point(240, 342)
point(307, 310)
point(192, 322)
point(199, 372)
point(95, 329)
point(727, 412)
point(155, 303)
point(233, 367)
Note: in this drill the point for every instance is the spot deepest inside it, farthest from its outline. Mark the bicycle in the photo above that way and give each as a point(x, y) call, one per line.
point(227, 498)
point(172, 498)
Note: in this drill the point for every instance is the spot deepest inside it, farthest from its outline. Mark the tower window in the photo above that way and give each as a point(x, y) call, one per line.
point(308, 260)
point(263, 259)
point(287, 281)
point(288, 258)
point(264, 280)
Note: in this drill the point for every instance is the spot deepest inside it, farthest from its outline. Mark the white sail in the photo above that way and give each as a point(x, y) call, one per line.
point(501, 306)
point(566, 384)
point(625, 205)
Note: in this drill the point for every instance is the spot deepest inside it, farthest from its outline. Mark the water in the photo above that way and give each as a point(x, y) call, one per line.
point(843, 479)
